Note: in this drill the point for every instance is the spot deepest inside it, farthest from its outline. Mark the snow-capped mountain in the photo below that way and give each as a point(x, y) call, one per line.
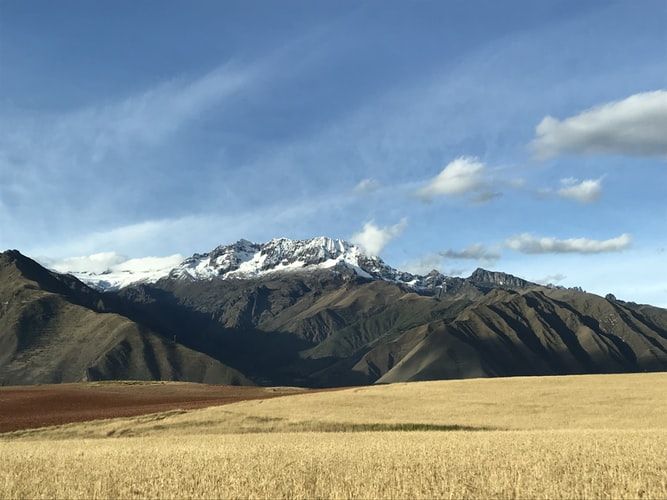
point(243, 260)
point(116, 275)
point(247, 260)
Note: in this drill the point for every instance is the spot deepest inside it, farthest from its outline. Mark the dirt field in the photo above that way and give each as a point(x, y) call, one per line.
point(27, 407)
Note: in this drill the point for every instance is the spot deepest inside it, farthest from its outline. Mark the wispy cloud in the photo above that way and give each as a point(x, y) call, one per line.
point(529, 244)
point(90, 134)
point(373, 238)
point(632, 126)
point(423, 264)
point(103, 162)
point(426, 263)
point(154, 115)
point(551, 279)
point(366, 186)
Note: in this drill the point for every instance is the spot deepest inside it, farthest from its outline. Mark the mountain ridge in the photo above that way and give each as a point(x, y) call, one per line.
point(246, 260)
point(54, 328)
point(318, 327)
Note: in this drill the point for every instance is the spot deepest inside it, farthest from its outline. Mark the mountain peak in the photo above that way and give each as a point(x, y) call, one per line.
point(484, 277)
point(12, 254)
point(245, 259)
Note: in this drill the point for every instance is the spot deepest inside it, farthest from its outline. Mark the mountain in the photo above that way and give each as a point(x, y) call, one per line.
point(247, 260)
point(53, 328)
point(320, 312)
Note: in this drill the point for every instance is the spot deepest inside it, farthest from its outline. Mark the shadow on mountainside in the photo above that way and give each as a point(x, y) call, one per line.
point(268, 358)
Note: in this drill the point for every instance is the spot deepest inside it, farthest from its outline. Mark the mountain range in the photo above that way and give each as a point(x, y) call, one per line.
point(318, 312)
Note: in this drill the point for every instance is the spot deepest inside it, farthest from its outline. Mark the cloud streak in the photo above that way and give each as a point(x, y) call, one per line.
point(106, 162)
point(633, 126)
point(154, 115)
point(529, 244)
point(91, 134)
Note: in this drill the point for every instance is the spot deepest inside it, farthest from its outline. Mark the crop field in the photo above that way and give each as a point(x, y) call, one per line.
point(598, 436)
point(24, 407)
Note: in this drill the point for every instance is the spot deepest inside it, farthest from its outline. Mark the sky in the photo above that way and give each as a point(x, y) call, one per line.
point(521, 136)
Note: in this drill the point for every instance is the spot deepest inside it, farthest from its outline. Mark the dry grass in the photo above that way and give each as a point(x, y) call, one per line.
point(568, 437)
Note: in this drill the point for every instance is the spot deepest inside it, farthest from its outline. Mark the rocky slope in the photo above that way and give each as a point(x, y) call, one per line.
point(55, 329)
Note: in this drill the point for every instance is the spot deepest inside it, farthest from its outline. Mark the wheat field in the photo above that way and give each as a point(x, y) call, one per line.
point(550, 437)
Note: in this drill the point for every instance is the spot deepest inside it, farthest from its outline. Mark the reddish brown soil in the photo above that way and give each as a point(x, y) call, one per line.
point(28, 407)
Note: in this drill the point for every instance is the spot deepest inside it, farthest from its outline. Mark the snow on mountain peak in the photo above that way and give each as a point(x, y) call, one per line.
point(109, 271)
point(245, 260)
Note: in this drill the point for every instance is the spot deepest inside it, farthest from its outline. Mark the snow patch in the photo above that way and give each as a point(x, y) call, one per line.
point(110, 271)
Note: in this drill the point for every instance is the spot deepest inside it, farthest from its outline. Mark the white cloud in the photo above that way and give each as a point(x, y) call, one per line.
point(95, 263)
point(455, 272)
point(461, 176)
point(373, 238)
point(366, 186)
point(632, 126)
point(111, 262)
point(128, 238)
point(527, 243)
point(586, 191)
point(150, 263)
point(194, 233)
point(472, 252)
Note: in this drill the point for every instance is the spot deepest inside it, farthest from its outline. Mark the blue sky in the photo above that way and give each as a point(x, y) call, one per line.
point(419, 129)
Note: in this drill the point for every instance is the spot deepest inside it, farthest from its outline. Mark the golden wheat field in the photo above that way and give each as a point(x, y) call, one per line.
point(601, 436)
